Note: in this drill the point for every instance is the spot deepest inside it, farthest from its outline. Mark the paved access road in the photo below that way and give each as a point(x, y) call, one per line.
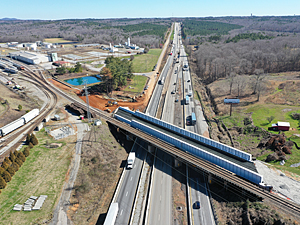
point(126, 195)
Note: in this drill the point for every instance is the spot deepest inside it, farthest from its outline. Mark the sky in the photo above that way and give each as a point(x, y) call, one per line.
point(101, 9)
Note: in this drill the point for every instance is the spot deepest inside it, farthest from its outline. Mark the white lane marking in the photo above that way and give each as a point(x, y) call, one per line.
point(121, 212)
point(126, 193)
point(160, 197)
point(158, 217)
point(134, 166)
point(131, 179)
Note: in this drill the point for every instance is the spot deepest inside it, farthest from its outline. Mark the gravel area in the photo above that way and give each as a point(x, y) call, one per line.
point(280, 182)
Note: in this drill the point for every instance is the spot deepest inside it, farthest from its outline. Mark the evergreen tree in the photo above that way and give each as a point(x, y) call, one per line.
point(34, 140)
point(4, 165)
point(12, 157)
point(6, 159)
point(2, 183)
point(21, 156)
point(15, 166)
point(6, 176)
point(30, 145)
point(11, 171)
point(26, 152)
point(28, 139)
point(19, 162)
point(1, 170)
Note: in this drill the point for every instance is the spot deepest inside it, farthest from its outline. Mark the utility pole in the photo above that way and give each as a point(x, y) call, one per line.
point(87, 102)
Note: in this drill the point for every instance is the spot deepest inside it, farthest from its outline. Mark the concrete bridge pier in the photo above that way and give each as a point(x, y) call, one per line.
point(151, 148)
point(209, 178)
point(177, 163)
point(129, 137)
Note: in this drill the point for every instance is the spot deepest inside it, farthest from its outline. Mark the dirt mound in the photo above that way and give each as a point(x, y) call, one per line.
point(278, 144)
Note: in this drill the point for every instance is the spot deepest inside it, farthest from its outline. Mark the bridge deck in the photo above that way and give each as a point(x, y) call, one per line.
point(224, 155)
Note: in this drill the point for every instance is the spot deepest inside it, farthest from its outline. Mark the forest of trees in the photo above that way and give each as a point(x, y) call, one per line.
point(144, 32)
point(217, 60)
point(196, 27)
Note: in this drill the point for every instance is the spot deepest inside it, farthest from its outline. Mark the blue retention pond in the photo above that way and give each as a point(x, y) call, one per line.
point(81, 80)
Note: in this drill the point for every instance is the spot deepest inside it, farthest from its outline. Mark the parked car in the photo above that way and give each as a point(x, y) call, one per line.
point(197, 205)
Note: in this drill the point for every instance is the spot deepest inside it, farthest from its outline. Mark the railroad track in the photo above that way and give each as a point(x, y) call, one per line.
point(29, 127)
point(208, 167)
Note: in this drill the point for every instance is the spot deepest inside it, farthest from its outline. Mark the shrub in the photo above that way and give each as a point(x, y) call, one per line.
point(6, 176)
point(26, 152)
point(6, 159)
point(247, 121)
point(2, 183)
point(21, 156)
point(4, 165)
point(15, 166)
point(296, 116)
point(30, 145)
point(270, 119)
point(11, 171)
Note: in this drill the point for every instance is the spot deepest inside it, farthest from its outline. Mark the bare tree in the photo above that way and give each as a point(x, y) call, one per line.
point(232, 75)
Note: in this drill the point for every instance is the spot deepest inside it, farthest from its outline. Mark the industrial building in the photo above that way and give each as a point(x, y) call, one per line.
point(29, 57)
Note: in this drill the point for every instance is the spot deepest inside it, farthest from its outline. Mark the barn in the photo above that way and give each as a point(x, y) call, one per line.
point(284, 126)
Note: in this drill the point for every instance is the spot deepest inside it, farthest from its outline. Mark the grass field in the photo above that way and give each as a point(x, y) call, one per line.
point(137, 83)
point(259, 116)
point(146, 62)
point(55, 40)
point(43, 173)
point(98, 65)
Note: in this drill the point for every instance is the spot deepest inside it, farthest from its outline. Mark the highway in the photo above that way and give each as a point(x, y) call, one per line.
point(196, 189)
point(203, 215)
point(126, 195)
point(161, 206)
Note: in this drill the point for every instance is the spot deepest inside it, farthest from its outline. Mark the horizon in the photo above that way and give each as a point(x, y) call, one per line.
point(108, 18)
point(133, 9)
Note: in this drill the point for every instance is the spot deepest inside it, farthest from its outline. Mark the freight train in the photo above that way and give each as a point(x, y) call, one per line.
point(19, 122)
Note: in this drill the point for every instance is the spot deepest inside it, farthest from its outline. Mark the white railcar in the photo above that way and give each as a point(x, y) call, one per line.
point(29, 116)
point(11, 127)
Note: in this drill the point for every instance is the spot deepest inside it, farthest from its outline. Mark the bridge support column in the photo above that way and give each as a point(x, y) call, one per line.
point(177, 163)
point(151, 148)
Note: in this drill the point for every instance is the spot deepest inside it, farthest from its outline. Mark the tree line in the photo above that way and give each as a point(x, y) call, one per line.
point(147, 32)
point(11, 164)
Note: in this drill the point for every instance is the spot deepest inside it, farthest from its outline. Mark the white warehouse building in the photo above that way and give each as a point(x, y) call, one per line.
point(29, 57)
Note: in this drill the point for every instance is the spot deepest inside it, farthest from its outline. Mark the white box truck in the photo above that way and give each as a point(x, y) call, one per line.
point(130, 160)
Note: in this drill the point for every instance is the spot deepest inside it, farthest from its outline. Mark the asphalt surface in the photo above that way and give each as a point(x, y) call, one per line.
point(199, 193)
point(126, 195)
point(160, 210)
point(161, 197)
